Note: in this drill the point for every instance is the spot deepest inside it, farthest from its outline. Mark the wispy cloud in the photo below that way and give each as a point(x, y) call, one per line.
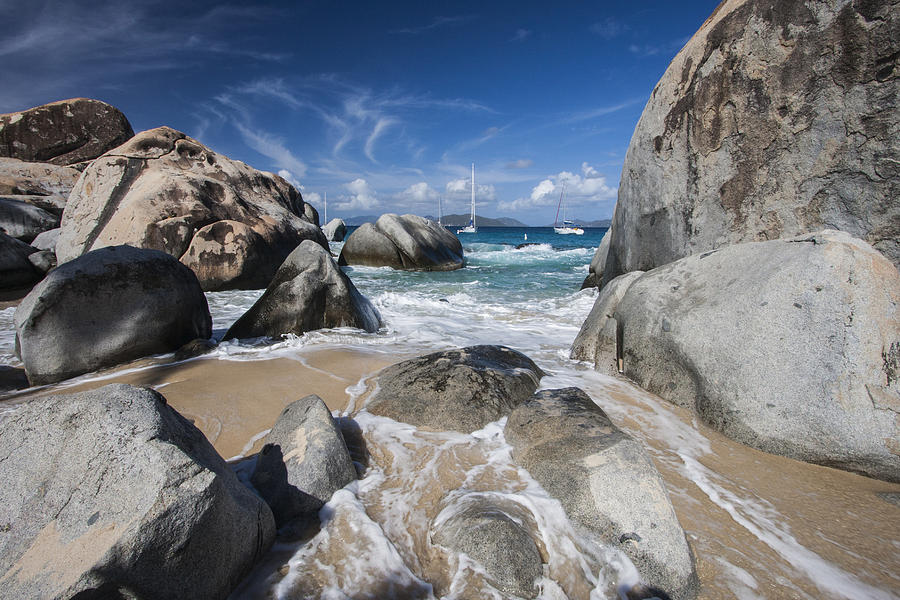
point(522, 163)
point(521, 35)
point(608, 28)
point(667, 48)
point(272, 147)
point(599, 111)
point(436, 23)
point(380, 126)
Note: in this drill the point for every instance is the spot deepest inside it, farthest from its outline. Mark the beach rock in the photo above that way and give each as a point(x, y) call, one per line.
point(598, 262)
point(460, 390)
point(597, 341)
point(309, 291)
point(24, 221)
point(111, 493)
point(303, 463)
point(107, 307)
point(408, 242)
point(606, 483)
point(16, 271)
point(335, 230)
point(231, 224)
point(46, 240)
point(789, 346)
point(64, 132)
point(43, 260)
point(497, 541)
point(776, 119)
point(20, 178)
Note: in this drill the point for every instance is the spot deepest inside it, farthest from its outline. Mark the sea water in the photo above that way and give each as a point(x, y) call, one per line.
point(759, 526)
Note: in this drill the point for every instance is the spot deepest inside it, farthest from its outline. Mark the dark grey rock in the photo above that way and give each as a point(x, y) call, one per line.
point(64, 132)
point(309, 291)
point(461, 390)
point(107, 307)
point(496, 540)
point(598, 263)
point(112, 494)
point(335, 230)
point(789, 346)
point(304, 461)
point(43, 260)
point(24, 221)
point(408, 242)
point(605, 481)
point(16, 271)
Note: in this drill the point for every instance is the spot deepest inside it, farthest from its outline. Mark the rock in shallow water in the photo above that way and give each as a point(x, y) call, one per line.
point(459, 390)
point(112, 494)
point(107, 307)
point(605, 481)
point(16, 270)
point(335, 230)
point(408, 242)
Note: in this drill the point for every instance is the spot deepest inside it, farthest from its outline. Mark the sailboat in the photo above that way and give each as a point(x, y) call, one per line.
point(440, 210)
point(568, 227)
point(470, 228)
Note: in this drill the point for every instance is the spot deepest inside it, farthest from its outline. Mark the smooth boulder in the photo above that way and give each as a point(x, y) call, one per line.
point(107, 307)
point(606, 483)
point(335, 230)
point(459, 390)
point(598, 263)
point(309, 291)
point(789, 346)
point(16, 270)
point(304, 462)
point(111, 493)
point(405, 242)
point(231, 224)
point(66, 132)
point(775, 119)
point(598, 339)
point(25, 221)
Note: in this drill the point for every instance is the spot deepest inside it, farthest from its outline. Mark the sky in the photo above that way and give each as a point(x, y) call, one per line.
point(384, 106)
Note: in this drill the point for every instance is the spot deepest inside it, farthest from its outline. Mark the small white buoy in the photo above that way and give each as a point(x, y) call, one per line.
point(526, 237)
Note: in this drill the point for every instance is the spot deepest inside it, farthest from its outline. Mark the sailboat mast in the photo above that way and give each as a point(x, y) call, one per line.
point(440, 209)
point(325, 218)
point(556, 220)
point(473, 195)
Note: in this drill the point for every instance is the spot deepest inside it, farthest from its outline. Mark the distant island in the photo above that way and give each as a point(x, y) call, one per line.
point(462, 220)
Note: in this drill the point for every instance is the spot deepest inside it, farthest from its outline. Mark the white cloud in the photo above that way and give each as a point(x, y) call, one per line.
point(272, 147)
point(588, 188)
point(361, 197)
point(608, 28)
point(419, 193)
point(290, 178)
point(463, 186)
point(380, 126)
point(522, 163)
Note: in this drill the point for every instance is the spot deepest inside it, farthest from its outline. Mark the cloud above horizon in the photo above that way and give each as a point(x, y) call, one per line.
point(361, 196)
point(588, 187)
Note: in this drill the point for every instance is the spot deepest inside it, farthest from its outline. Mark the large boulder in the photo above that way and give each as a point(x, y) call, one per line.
point(335, 230)
point(403, 242)
point(606, 483)
point(20, 178)
point(776, 119)
point(459, 390)
point(309, 291)
point(231, 224)
point(304, 461)
point(598, 263)
point(112, 494)
point(789, 346)
point(63, 133)
point(25, 221)
point(107, 307)
point(598, 338)
point(16, 271)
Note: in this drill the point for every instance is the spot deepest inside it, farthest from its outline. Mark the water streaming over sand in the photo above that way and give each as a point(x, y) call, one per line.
point(760, 526)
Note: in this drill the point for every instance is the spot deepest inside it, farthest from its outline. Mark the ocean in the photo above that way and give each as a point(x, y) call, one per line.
point(760, 526)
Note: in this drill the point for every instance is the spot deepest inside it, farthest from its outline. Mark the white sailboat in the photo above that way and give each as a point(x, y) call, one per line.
point(568, 227)
point(470, 228)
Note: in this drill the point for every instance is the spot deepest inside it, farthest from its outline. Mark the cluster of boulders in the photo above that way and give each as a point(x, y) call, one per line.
point(724, 285)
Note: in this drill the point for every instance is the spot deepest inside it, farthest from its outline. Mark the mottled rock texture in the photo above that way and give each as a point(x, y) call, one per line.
point(63, 133)
point(309, 291)
point(20, 178)
point(606, 483)
point(106, 307)
point(789, 346)
point(112, 494)
point(776, 119)
point(403, 242)
point(459, 390)
point(231, 224)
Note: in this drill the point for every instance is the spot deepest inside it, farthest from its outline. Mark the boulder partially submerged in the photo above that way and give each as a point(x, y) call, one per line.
point(107, 307)
point(231, 224)
point(606, 483)
point(112, 494)
point(335, 230)
point(459, 390)
point(309, 291)
point(403, 242)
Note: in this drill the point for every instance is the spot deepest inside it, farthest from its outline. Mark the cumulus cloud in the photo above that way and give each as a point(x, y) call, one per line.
point(419, 193)
point(587, 188)
point(290, 178)
point(463, 187)
point(522, 163)
point(360, 197)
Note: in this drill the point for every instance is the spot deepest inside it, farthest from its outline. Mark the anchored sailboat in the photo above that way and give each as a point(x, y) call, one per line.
point(470, 228)
point(568, 227)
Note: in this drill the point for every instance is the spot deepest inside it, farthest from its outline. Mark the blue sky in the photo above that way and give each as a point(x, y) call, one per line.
point(383, 105)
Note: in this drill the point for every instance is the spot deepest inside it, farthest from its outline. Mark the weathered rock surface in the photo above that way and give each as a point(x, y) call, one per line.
point(24, 221)
point(605, 481)
point(107, 307)
point(335, 230)
point(20, 178)
point(598, 263)
point(598, 338)
point(304, 461)
point(43, 260)
point(64, 132)
point(16, 271)
point(309, 291)
point(459, 390)
point(403, 242)
point(773, 121)
point(112, 494)
point(231, 224)
point(46, 240)
point(789, 346)
point(487, 534)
